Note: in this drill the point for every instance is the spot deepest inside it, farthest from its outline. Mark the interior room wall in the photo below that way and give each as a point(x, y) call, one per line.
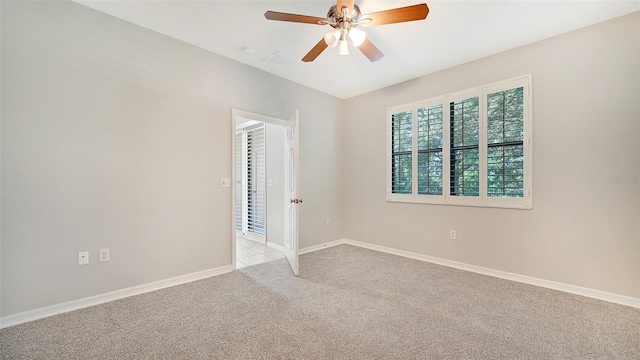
point(275, 142)
point(583, 228)
point(114, 136)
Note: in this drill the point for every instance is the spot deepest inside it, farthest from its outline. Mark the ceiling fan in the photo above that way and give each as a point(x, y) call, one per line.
point(344, 17)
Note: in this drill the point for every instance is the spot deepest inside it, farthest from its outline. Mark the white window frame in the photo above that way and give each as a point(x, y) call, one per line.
point(525, 202)
point(461, 200)
point(426, 198)
point(391, 111)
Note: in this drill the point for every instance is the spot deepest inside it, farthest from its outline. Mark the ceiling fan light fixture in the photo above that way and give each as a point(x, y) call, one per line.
point(343, 47)
point(331, 38)
point(343, 17)
point(357, 36)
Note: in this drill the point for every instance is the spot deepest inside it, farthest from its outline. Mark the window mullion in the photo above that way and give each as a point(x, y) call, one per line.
point(482, 147)
point(446, 147)
point(414, 152)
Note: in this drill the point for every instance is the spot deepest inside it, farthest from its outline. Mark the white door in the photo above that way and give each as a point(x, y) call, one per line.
point(291, 193)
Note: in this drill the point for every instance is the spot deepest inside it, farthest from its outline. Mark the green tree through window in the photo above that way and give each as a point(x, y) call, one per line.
point(505, 134)
point(430, 150)
point(464, 136)
point(401, 157)
point(471, 147)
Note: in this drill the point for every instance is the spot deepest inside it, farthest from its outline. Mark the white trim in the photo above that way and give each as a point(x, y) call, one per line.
point(246, 125)
point(254, 239)
point(323, 246)
point(497, 206)
point(257, 117)
point(257, 238)
point(275, 246)
point(572, 289)
point(56, 309)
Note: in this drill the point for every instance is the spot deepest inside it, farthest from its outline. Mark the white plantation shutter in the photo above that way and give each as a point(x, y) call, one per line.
point(471, 147)
point(256, 194)
point(464, 141)
point(505, 143)
point(430, 142)
point(508, 173)
point(401, 152)
point(238, 184)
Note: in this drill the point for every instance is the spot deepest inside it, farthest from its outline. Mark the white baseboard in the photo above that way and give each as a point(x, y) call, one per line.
point(56, 309)
point(322, 246)
point(275, 246)
point(573, 289)
point(47, 311)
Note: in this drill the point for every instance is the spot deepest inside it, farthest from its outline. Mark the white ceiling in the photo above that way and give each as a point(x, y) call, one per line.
point(454, 32)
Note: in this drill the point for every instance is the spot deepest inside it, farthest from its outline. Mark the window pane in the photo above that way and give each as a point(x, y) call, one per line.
point(464, 135)
point(505, 135)
point(430, 173)
point(430, 150)
point(401, 148)
point(401, 177)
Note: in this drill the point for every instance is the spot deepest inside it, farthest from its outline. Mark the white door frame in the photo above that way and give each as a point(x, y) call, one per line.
point(250, 116)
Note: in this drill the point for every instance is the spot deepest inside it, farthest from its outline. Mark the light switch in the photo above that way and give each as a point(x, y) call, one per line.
point(270, 182)
point(225, 182)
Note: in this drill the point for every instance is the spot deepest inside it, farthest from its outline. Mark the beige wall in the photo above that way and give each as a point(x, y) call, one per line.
point(114, 136)
point(583, 228)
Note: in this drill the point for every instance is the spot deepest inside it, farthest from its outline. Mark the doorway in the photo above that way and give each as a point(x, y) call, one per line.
point(259, 178)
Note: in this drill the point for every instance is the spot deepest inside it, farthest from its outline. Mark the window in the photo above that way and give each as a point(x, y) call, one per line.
point(401, 157)
point(468, 148)
point(430, 150)
point(505, 143)
point(464, 147)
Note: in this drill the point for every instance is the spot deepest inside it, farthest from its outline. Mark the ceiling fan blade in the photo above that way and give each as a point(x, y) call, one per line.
point(348, 3)
point(313, 54)
point(392, 16)
point(370, 51)
point(279, 16)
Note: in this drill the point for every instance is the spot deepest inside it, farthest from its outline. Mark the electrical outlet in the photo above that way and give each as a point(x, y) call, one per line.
point(279, 224)
point(83, 258)
point(453, 235)
point(103, 255)
point(328, 221)
point(225, 182)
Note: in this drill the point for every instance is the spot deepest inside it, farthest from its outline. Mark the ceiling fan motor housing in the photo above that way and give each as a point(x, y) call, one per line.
point(336, 18)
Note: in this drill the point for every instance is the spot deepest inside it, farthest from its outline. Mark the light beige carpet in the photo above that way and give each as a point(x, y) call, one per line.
point(348, 303)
